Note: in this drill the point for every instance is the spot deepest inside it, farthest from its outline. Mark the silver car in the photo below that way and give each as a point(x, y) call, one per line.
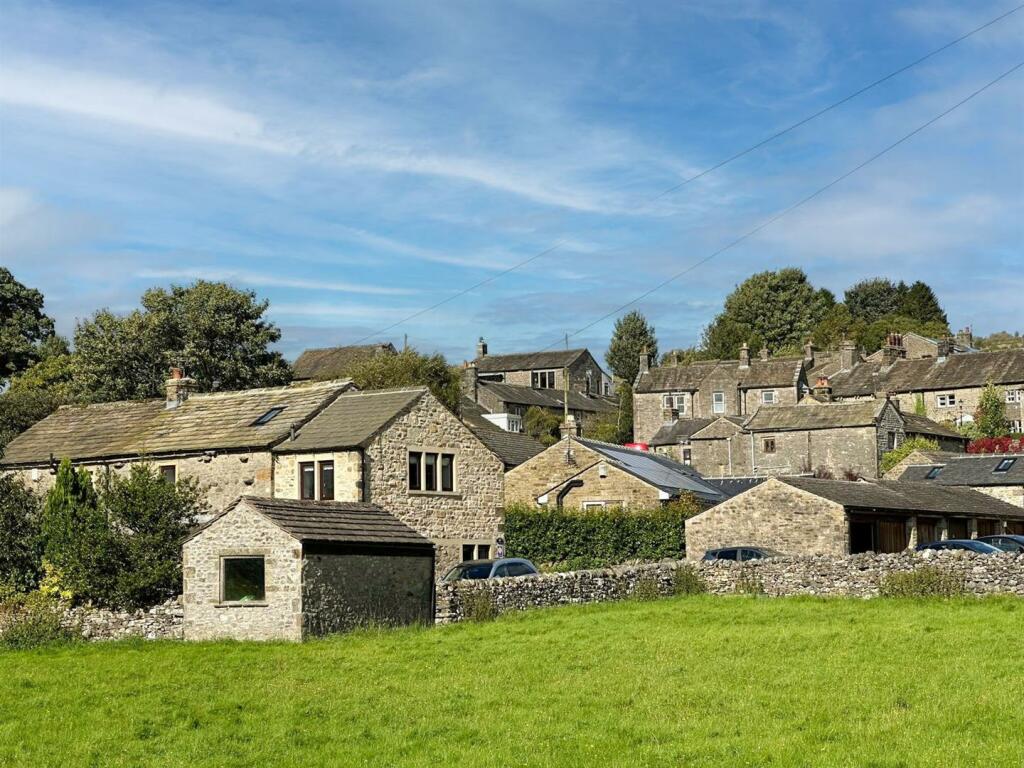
point(502, 567)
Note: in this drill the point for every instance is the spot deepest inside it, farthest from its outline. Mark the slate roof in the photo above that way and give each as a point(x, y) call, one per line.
point(678, 431)
point(956, 371)
point(779, 418)
point(512, 448)
point(333, 521)
point(664, 474)
point(548, 398)
point(971, 470)
point(352, 420)
point(206, 421)
point(920, 425)
point(528, 361)
point(906, 496)
point(775, 372)
point(336, 362)
point(734, 486)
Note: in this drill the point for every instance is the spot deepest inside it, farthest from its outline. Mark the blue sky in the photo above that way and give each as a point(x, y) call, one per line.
point(355, 162)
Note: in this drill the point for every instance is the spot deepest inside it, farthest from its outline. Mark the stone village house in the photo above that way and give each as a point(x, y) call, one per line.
point(811, 516)
point(544, 370)
point(400, 449)
point(330, 363)
point(584, 474)
point(1000, 475)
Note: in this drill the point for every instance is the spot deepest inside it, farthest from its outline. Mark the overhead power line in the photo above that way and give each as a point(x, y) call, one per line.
point(742, 153)
point(785, 212)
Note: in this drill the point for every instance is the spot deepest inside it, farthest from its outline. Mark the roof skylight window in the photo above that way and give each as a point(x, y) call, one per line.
point(933, 473)
point(1004, 465)
point(268, 416)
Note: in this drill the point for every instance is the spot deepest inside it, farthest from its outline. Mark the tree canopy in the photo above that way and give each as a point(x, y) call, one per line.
point(216, 332)
point(410, 368)
point(779, 310)
point(632, 336)
point(23, 325)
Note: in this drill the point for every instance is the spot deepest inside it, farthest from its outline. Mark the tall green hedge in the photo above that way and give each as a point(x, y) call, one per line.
point(567, 538)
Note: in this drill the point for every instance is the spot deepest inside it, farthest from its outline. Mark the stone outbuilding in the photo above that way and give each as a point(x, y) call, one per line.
point(327, 363)
point(586, 474)
point(544, 370)
point(277, 569)
point(812, 516)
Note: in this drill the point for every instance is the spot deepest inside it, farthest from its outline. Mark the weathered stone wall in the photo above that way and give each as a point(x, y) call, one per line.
point(470, 515)
point(224, 477)
point(344, 590)
point(348, 475)
point(856, 576)
point(967, 399)
point(525, 483)
point(774, 515)
point(1011, 494)
point(723, 457)
point(648, 415)
point(242, 532)
point(751, 398)
point(161, 622)
point(616, 488)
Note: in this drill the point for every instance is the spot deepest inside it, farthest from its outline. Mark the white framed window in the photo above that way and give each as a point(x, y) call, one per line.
point(687, 455)
point(476, 551)
point(1015, 395)
point(946, 400)
point(718, 402)
point(674, 400)
point(595, 504)
point(542, 379)
point(768, 397)
point(515, 423)
point(431, 472)
point(1017, 426)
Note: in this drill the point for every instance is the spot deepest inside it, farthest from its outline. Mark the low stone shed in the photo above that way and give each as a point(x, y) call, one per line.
point(283, 569)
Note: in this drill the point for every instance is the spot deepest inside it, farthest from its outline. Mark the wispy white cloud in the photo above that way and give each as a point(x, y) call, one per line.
point(264, 280)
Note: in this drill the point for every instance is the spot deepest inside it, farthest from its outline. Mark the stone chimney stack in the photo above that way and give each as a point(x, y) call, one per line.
point(847, 355)
point(823, 390)
point(645, 361)
point(481, 348)
point(745, 355)
point(470, 385)
point(178, 388)
point(893, 349)
point(809, 354)
point(944, 348)
point(569, 427)
point(965, 337)
point(764, 354)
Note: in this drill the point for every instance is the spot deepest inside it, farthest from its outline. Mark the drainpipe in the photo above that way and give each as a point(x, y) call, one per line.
point(728, 444)
point(565, 491)
point(753, 467)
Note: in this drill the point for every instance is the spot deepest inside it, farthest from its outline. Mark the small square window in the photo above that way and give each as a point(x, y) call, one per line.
point(243, 579)
point(483, 551)
point(768, 445)
point(307, 480)
point(1004, 465)
point(169, 473)
point(468, 551)
point(947, 400)
point(768, 396)
point(267, 417)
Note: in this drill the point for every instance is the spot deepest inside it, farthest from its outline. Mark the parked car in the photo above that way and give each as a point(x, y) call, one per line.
point(1008, 542)
point(499, 568)
point(740, 553)
point(971, 545)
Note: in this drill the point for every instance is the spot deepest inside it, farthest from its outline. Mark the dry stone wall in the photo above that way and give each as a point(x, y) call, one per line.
point(161, 622)
point(855, 576)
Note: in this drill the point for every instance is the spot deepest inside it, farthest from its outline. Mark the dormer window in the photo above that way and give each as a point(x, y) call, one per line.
point(1004, 465)
point(268, 416)
point(933, 473)
point(768, 397)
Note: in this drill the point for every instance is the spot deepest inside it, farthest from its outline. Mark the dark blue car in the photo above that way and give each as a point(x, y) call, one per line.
point(971, 545)
point(1008, 542)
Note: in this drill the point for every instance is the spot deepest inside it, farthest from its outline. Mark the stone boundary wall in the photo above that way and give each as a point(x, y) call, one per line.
point(852, 576)
point(161, 622)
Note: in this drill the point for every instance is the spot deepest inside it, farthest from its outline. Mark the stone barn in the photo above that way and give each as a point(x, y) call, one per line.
point(812, 516)
point(284, 569)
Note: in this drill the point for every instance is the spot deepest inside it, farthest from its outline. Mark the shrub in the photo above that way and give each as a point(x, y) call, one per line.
point(927, 581)
point(120, 547)
point(749, 583)
point(34, 619)
point(896, 455)
point(687, 581)
point(996, 445)
point(646, 588)
point(599, 537)
point(478, 605)
point(20, 544)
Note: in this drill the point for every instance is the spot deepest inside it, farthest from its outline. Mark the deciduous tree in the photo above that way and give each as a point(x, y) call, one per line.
point(409, 368)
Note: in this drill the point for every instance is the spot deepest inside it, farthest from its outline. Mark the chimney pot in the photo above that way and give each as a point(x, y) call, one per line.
point(745, 355)
point(481, 348)
point(178, 388)
point(569, 427)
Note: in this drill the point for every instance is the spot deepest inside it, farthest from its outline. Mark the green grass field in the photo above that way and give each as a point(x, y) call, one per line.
point(689, 681)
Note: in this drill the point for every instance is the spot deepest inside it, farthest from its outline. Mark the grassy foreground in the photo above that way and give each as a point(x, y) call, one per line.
point(690, 681)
